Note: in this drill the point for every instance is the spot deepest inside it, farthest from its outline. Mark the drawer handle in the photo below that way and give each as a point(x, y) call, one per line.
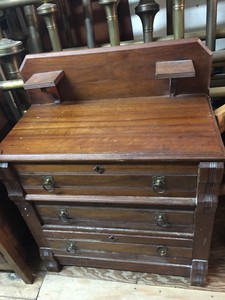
point(161, 220)
point(63, 215)
point(99, 169)
point(162, 250)
point(49, 184)
point(71, 248)
point(159, 184)
point(113, 238)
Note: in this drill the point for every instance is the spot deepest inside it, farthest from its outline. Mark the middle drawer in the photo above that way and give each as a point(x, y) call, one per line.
point(104, 216)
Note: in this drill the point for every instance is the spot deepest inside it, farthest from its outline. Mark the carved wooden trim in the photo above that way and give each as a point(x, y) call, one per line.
point(51, 262)
point(210, 176)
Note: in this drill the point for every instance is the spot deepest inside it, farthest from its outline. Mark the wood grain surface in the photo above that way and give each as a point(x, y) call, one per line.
point(147, 127)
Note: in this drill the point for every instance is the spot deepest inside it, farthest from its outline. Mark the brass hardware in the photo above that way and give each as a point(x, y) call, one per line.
point(10, 51)
point(113, 238)
point(63, 215)
point(110, 7)
point(48, 11)
point(178, 19)
point(49, 184)
point(99, 169)
point(11, 84)
point(71, 247)
point(162, 250)
point(146, 10)
point(159, 184)
point(161, 220)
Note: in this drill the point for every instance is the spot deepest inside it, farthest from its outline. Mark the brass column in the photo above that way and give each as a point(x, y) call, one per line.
point(211, 24)
point(146, 10)
point(110, 7)
point(178, 19)
point(48, 11)
point(34, 41)
point(9, 59)
point(89, 26)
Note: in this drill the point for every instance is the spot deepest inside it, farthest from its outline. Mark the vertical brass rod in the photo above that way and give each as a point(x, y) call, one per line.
point(34, 40)
point(48, 11)
point(89, 25)
point(211, 17)
point(146, 10)
point(178, 19)
point(110, 7)
point(169, 17)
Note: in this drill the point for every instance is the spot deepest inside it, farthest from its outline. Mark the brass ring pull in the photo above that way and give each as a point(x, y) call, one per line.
point(99, 169)
point(63, 215)
point(71, 247)
point(113, 238)
point(49, 184)
point(162, 250)
point(161, 220)
point(159, 184)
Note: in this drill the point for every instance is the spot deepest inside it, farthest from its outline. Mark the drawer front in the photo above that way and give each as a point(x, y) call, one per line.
point(117, 217)
point(94, 243)
point(110, 179)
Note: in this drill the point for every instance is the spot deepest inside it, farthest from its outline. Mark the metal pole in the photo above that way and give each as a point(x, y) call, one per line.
point(34, 40)
point(110, 7)
point(89, 25)
point(211, 24)
point(15, 3)
point(178, 19)
point(169, 16)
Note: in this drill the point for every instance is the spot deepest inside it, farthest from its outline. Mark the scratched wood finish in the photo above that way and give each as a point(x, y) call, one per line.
point(118, 72)
point(117, 217)
point(110, 130)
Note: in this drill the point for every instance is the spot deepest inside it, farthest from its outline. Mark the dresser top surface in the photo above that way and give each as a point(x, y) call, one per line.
point(146, 128)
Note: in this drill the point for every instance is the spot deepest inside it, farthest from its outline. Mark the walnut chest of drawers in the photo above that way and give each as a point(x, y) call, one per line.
point(120, 182)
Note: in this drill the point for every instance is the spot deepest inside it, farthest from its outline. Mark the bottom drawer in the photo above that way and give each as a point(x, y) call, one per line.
point(116, 245)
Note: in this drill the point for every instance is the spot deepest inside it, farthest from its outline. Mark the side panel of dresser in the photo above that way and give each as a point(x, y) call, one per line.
point(209, 179)
point(12, 252)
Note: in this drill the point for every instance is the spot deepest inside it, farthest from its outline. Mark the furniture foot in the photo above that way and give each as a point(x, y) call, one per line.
point(199, 272)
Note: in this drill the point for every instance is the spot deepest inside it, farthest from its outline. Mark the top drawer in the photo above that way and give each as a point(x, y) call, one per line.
point(167, 180)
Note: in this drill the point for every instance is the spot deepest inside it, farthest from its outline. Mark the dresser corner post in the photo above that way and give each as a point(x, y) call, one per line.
point(209, 179)
point(15, 192)
point(51, 262)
